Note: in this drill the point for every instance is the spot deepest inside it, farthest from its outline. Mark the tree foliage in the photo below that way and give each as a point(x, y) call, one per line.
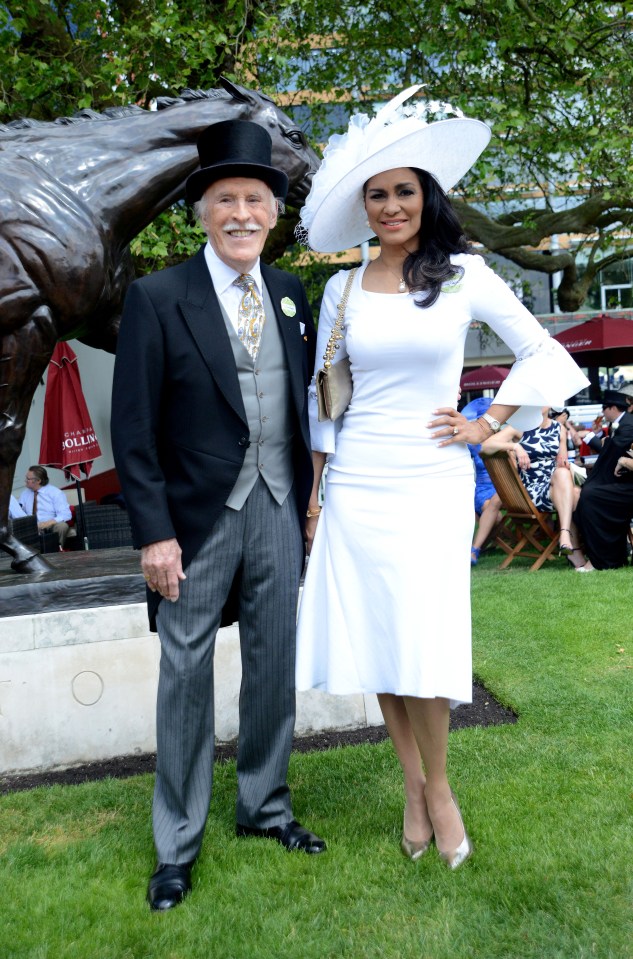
point(60, 56)
point(551, 77)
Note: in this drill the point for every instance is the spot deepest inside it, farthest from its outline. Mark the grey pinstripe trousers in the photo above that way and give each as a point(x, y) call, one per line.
point(264, 539)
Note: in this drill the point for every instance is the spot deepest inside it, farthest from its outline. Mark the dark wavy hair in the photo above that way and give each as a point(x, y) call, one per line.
point(440, 235)
point(40, 474)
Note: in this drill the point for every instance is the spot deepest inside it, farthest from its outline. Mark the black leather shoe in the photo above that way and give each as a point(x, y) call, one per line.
point(169, 885)
point(291, 835)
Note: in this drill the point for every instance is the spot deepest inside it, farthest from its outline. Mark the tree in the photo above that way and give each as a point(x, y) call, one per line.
point(551, 77)
point(58, 57)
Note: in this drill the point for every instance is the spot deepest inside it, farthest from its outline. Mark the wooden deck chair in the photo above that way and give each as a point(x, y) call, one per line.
point(524, 530)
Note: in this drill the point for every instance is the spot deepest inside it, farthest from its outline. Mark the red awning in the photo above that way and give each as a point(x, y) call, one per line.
point(484, 378)
point(69, 442)
point(601, 341)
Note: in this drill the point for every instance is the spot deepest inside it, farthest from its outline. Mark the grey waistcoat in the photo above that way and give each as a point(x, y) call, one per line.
point(265, 386)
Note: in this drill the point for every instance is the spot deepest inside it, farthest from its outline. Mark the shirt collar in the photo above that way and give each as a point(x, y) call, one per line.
point(616, 423)
point(223, 276)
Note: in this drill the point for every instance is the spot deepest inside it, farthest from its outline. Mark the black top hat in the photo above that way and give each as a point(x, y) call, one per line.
point(235, 148)
point(614, 398)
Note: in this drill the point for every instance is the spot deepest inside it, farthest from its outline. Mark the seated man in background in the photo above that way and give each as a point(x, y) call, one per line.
point(605, 508)
point(46, 502)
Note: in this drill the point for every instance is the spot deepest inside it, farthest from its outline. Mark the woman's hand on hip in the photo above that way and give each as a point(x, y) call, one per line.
point(451, 427)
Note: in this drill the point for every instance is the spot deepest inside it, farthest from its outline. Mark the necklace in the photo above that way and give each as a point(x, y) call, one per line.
point(402, 286)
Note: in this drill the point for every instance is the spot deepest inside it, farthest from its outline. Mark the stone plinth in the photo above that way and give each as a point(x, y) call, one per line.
point(80, 686)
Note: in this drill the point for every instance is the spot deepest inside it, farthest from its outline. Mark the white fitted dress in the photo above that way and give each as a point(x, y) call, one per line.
point(386, 602)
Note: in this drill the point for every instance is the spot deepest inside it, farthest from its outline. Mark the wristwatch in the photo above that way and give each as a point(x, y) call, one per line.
point(494, 424)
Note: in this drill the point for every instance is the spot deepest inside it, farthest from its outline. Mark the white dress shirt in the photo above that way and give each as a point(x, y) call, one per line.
point(223, 278)
point(51, 504)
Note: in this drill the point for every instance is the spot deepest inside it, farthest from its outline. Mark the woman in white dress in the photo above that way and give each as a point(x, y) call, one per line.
point(386, 602)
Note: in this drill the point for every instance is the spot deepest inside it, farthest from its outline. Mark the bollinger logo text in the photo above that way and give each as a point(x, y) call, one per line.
point(77, 440)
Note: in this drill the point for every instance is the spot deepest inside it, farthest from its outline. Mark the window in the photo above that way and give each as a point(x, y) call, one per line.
point(616, 297)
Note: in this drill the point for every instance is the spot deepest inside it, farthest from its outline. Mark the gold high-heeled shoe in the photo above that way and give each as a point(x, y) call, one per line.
point(465, 849)
point(414, 850)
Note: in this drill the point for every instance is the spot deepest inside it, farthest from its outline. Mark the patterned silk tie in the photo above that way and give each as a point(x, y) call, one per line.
point(251, 317)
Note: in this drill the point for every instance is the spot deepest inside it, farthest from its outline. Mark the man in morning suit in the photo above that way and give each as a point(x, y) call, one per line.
point(211, 442)
point(605, 506)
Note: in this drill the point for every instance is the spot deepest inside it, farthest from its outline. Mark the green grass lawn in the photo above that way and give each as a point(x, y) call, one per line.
point(548, 802)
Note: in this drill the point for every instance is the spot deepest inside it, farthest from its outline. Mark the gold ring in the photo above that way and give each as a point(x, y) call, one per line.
point(455, 430)
point(147, 578)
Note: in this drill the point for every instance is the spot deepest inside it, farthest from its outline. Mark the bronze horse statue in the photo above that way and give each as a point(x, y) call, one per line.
point(73, 194)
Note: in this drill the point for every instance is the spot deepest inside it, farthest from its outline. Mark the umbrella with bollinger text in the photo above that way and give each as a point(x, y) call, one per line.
point(69, 442)
point(483, 378)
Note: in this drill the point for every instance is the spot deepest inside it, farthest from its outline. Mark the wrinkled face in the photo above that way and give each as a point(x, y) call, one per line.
point(237, 215)
point(394, 202)
point(32, 481)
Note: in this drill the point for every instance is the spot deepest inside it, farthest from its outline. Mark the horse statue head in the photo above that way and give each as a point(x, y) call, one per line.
point(291, 151)
point(74, 192)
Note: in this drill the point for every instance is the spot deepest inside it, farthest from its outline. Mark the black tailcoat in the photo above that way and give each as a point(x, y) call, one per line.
point(605, 506)
point(179, 429)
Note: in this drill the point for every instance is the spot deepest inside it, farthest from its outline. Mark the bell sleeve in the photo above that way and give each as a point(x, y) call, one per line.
point(543, 374)
point(323, 434)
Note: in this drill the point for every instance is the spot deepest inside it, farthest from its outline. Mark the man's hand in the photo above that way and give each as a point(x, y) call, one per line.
point(162, 567)
point(624, 464)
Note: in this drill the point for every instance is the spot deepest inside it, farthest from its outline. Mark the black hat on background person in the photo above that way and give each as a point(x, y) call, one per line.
point(235, 148)
point(615, 398)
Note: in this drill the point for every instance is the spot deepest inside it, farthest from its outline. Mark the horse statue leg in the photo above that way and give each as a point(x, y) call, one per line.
point(25, 558)
point(24, 355)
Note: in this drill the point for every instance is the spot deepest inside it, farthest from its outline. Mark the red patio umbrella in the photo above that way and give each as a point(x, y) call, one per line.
point(69, 441)
point(483, 378)
point(601, 341)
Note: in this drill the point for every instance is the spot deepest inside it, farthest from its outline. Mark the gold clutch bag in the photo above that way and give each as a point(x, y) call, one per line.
point(334, 380)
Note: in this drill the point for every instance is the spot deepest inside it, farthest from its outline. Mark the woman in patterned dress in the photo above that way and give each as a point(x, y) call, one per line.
point(542, 459)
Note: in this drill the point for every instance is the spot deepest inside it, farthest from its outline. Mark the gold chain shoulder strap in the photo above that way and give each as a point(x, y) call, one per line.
point(337, 330)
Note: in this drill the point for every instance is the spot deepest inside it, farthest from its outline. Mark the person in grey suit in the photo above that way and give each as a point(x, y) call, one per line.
point(211, 442)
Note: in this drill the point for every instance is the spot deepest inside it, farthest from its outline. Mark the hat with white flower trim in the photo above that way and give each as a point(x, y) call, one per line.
point(333, 217)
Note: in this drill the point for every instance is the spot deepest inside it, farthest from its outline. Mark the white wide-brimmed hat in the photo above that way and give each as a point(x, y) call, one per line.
point(333, 217)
